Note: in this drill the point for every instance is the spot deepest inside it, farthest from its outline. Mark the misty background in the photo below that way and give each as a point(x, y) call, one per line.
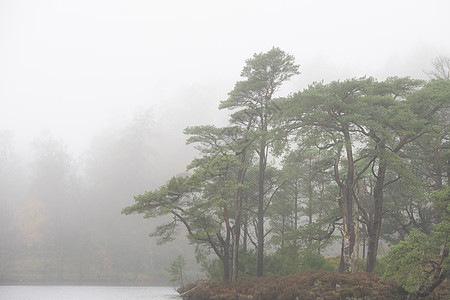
point(95, 96)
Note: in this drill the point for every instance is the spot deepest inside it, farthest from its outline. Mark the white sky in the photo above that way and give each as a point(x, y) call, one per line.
point(72, 68)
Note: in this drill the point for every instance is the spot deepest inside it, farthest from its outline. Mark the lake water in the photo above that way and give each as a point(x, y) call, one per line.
point(87, 292)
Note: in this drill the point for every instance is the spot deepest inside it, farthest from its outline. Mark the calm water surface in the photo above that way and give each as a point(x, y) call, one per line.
point(87, 292)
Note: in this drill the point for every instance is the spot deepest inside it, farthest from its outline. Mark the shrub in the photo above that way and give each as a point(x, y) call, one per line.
point(314, 261)
point(309, 285)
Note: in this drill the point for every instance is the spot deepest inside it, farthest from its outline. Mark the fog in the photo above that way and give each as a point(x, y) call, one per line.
point(95, 96)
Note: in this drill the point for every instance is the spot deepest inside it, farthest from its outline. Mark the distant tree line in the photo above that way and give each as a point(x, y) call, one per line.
point(356, 159)
point(60, 218)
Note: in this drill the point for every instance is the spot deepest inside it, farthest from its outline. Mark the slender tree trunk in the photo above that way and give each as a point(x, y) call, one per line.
point(237, 225)
point(357, 242)
point(296, 205)
point(341, 261)
point(310, 212)
point(364, 247)
point(260, 233)
point(310, 193)
point(236, 239)
point(364, 235)
point(226, 257)
point(245, 235)
point(226, 248)
point(375, 228)
point(346, 206)
point(238, 210)
point(296, 212)
point(310, 200)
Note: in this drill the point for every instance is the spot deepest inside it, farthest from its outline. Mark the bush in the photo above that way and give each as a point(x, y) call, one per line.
point(421, 262)
point(309, 285)
point(283, 262)
point(314, 261)
point(213, 268)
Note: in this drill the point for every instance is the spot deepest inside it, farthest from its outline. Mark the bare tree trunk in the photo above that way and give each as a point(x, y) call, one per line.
point(364, 247)
point(226, 265)
point(238, 210)
point(244, 238)
point(357, 242)
point(260, 228)
point(235, 254)
point(237, 230)
point(346, 206)
point(226, 247)
point(374, 229)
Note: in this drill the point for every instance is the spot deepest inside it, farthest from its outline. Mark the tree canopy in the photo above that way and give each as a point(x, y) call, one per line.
point(360, 155)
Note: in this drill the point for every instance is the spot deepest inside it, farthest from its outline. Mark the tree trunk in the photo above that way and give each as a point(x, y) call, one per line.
point(357, 242)
point(226, 265)
point(310, 194)
point(348, 241)
point(237, 227)
point(296, 192)
point(364, 247)
point(238, 211)
point(438, 278)
point(260, 233)
point(375, 228)
point(346, 207)
point(244, 237)
point(341, 261)
point(235, 254)
point(226, 255)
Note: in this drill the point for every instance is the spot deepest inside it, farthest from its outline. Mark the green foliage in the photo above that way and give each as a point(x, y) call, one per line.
point(247, 266)
point(264, 73)
point(283, 262)
point(442, 229)
point(381, 266)
point(334, 261)
point(176, 270)
point(421, 260)
point(213, 269)
point(345, 132)
point(409, 261)
point(311, 260)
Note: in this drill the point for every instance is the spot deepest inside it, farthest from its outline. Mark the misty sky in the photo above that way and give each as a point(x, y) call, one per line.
point(73, 68)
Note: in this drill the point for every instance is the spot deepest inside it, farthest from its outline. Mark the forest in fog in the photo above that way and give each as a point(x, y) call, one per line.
point(61, 215)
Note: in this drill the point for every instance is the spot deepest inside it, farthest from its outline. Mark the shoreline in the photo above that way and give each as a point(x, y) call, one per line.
point(310, 285)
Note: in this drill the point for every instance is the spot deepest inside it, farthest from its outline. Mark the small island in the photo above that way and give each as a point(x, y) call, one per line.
point(339, 164)
point(311, 285)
